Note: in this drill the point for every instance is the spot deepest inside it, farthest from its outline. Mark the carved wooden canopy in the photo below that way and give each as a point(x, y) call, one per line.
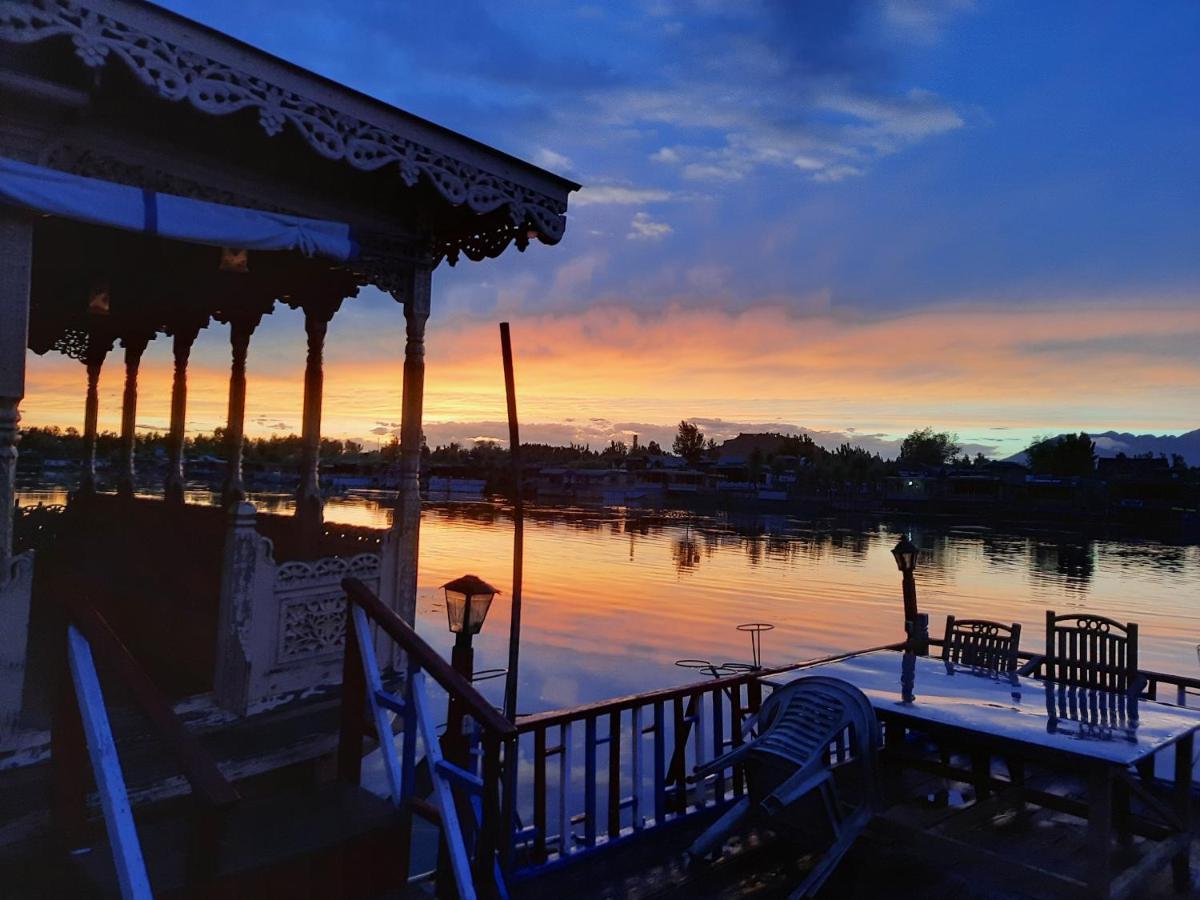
point(469, 199)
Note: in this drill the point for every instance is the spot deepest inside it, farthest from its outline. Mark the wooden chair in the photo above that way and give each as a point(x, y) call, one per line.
point(1090, 651)
point(981, 644)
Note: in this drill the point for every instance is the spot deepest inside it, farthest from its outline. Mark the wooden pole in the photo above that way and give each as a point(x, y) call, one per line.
point(97, 350)
point(135, 346)
point(184, 337)
point(514, 450)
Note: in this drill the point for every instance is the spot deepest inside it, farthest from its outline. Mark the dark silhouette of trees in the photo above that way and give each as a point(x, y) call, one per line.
point(1067, 454)
point(929, 448)
point(689, 442)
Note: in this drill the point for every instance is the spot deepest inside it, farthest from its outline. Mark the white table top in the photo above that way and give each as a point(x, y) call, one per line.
point(1094, 724)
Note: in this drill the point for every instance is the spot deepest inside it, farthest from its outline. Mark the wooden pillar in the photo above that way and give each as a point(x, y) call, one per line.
point(407, 520)
point(134, 348)
point(182, 342)
point(241, 326)
point(97, 350)
point(16, 573)
point(309, 505)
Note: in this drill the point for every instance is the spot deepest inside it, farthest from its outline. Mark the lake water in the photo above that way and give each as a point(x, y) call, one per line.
point(613, 597)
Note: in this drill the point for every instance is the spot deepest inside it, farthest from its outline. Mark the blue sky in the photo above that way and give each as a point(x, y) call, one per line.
point(880, 186)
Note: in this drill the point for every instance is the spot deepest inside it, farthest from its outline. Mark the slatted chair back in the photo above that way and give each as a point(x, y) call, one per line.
point(1090, 651)
point(982, 644)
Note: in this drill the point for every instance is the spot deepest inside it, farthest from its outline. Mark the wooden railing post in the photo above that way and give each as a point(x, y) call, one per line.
point(614, 774)
point(353, 710)
point(490, 822)
point(539, 795)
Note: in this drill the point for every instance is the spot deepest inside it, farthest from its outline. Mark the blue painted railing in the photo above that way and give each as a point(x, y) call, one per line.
point(469, 804)
point(596, 776)
point(81, 738)
point(110, 782)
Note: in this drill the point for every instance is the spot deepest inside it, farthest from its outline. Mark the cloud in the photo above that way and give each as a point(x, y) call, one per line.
point(644, 228)
point(617, 195)
point(271, 424)
point(549, 159)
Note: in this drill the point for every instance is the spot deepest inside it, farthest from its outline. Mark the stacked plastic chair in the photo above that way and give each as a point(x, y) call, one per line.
point(790, 777)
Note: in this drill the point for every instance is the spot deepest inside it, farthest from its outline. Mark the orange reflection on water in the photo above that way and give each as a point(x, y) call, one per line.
point(612, 598)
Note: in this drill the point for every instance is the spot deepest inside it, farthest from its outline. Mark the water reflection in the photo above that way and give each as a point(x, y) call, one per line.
point(612, 597)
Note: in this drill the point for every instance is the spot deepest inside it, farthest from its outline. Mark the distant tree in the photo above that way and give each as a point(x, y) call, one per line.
point(1068, 454)
point(755, 465)
point(689, 442)
point(615, 452)
point(390, 452)
point(929, 448)
point(654, 449)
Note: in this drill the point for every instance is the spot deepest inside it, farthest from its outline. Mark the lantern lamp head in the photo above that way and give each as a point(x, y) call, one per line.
point(467, 602)
point(905, 553)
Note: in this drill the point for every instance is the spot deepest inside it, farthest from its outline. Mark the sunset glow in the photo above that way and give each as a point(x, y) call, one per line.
point(997, 374)
point(854, 218)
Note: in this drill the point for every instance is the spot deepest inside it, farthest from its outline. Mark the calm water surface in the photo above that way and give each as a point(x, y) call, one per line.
point(613, 597)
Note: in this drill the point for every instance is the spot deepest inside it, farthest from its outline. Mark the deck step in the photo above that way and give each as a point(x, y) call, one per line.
point(334, 841)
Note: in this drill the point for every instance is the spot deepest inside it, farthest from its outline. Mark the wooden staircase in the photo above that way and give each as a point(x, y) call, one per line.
point(286, 837)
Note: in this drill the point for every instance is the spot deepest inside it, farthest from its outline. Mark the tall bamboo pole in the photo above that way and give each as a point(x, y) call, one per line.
point(514, 450)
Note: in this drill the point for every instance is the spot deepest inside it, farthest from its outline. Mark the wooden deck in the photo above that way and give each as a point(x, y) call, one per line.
point(936, 839)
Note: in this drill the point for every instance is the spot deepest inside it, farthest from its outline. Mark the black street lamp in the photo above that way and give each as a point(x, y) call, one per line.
point(905, 553)
point(468, 600)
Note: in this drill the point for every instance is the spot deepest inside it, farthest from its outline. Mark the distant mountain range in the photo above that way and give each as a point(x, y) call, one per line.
point(1110, 443)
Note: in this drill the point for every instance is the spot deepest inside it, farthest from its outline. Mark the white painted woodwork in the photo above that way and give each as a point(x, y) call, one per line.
point(16, 593)
point(16, 572)
point(16, 260)
point(16, 255)
point(407, 520)
point(281, 627)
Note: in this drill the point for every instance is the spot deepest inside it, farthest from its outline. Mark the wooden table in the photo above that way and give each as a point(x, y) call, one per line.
point(1096, 732)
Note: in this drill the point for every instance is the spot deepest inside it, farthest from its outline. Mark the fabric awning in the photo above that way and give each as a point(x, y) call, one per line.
point(167, 215)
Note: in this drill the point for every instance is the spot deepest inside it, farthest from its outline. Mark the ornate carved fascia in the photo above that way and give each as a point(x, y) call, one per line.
point(177, 74)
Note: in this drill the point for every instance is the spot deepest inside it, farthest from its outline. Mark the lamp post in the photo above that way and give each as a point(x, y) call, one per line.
point(905, 553)
point(467, 602)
